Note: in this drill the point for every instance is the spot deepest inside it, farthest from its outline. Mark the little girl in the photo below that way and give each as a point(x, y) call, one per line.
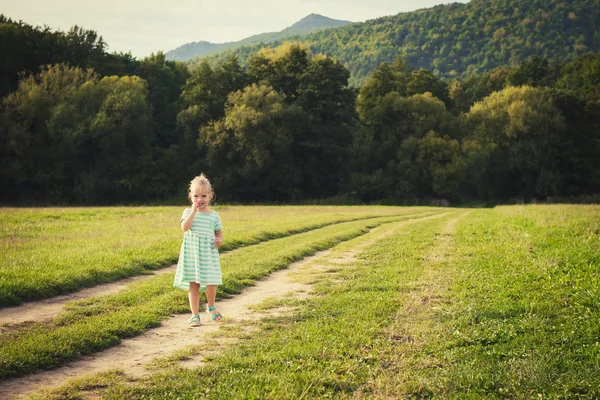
point(199, 266)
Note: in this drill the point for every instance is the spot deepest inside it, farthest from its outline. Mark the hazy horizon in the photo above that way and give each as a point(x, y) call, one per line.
point(143, 28)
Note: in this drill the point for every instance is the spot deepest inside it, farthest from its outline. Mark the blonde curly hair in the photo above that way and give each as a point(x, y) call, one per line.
point(200, 181)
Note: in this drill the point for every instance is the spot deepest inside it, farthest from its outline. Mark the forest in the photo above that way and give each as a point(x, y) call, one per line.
point(80, 125)
point(455, 40)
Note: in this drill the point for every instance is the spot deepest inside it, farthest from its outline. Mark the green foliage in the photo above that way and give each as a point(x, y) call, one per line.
point(399, 153)
point(533, 72)
point(71, 135)
point(25, 49)
point(319, 87)
point(306, 25)
point(515, 142)
point(583, 75)
point(529, 145)
point(288, 127)
point(281, 139)
point(519, 129)
point(431, 166)
point(203, 100)
point(251, 145)
point(458, 40)
point(165, 80)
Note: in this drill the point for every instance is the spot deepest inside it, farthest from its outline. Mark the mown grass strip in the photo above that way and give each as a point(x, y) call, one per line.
point(99, 323)
point(522, 318)
point(47, 252)
point(517, 316)
point(329, 349)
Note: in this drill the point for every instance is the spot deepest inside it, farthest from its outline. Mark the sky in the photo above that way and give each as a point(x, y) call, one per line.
point(146, 26)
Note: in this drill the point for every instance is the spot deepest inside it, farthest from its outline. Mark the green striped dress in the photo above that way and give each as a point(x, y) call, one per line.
point(199, 258)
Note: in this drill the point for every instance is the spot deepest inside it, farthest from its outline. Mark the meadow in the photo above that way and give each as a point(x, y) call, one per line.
point(47, 252)
point(445, 303)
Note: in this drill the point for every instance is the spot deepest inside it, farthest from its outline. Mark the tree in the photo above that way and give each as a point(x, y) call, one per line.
point(25, 49)
point(203, 100)
point(460, 99)
point(386, 153)
point(423, 81)
point(319, 86)
point(385, 79)
point(330, 118)
point(71, 136)
point(582, 75)
point(165, 81)
point(282, 67)
point(534, 72)
point(521, 130)
point(32, 163)
point(248, 151)
point(431, 166)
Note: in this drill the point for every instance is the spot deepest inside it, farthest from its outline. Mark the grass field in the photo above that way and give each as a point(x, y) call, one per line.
point(47, 252)
point(485, 303)
point(98, 323)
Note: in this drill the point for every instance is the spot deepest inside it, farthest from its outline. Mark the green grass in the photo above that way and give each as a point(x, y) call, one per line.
point(504, 306)
point(524, 320)
point(101, 322)
point(501, 304)
point(329, 349)
point(47, 252)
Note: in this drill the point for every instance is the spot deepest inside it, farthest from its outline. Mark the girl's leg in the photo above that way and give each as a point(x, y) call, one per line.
point(194, 297)
point(211, 294)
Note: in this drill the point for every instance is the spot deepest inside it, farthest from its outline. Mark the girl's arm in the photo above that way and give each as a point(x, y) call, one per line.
point(218, 238)
point(186, 224)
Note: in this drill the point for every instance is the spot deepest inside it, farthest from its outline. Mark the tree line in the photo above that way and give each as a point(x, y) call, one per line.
point(456, 40)
point(288, 127)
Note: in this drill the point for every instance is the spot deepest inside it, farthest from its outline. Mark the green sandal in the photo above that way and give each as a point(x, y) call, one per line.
point(216, 316)
point(195, 320)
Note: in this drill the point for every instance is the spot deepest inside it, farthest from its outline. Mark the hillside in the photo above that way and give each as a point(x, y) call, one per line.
point(194, 49)
point(308, 24)
point(458, 40)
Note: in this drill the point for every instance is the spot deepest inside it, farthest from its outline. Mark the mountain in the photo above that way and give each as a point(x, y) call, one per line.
point(306, 25)
point(190, 50)
point(313, 22)
point(457, 40)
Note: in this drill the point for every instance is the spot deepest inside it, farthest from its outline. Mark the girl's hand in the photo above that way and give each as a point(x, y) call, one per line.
point(218, 242)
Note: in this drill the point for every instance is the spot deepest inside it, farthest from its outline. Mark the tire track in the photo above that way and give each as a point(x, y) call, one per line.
point(133, 355)
point(43, 310)
point(427, 297)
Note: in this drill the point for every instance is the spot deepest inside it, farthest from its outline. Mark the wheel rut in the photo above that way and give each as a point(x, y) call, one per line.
point(134, 356)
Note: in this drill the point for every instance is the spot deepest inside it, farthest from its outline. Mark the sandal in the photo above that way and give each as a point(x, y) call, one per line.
point(195, 320)
point(216, 316)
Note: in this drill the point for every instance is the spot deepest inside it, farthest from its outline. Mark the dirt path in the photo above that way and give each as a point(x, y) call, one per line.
point(132, 355)
point(42, 310)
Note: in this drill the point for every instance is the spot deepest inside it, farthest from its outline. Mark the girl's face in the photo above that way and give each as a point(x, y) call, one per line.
point(201, 197)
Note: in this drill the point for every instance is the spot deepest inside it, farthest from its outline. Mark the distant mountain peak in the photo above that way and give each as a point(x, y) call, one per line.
point(306, 25)
point(318, 21)
point(313, 16)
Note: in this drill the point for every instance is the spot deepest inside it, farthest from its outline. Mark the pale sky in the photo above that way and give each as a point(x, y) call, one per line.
point(146, 26)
